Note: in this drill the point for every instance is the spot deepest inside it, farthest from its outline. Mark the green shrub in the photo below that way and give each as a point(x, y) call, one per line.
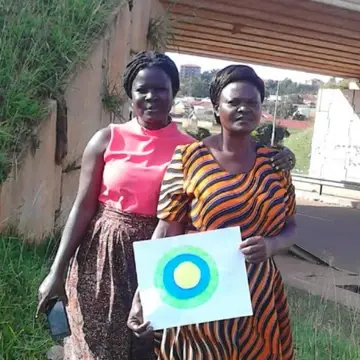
point(263, 134)
point(200, 133)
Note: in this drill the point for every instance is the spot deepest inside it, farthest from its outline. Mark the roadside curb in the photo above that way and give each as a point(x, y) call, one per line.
point(327, 199)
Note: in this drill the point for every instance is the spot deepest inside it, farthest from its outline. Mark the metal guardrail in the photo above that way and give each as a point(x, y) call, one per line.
point(322, 182)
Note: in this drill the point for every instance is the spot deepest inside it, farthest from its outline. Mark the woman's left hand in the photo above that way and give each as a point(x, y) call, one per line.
point(256, 249)
point(136, 323)
point(284, 161)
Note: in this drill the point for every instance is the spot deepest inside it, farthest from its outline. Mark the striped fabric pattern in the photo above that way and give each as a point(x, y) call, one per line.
point(201, 194)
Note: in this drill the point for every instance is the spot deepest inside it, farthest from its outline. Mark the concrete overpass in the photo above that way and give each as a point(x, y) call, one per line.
point(318, 36)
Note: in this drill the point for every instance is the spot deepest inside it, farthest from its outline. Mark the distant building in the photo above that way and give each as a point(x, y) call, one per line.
point(335, 149)
point(309, 100)
point(188, 71)
point(181, 107)
point(304, 112)
point(272, 98)
point(287, 123)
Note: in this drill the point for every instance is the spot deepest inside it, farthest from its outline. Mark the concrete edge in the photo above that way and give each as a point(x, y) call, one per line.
point(327, 199)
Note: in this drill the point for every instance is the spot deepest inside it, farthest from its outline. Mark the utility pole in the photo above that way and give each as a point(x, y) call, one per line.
point(275, 112)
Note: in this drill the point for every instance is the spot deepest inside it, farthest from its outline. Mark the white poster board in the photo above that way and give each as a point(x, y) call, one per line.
point(192, 278)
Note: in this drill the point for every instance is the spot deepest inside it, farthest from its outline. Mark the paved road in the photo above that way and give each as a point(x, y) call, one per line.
point(330, 232)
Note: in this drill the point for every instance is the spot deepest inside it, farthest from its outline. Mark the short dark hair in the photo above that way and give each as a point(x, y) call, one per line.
point(234, 73)
point(148, 59)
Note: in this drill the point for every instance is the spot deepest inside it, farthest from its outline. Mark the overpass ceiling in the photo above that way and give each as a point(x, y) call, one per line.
point(317, 36)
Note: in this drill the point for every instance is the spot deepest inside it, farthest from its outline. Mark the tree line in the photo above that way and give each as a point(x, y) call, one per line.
point(198, 86)
point(263, 134)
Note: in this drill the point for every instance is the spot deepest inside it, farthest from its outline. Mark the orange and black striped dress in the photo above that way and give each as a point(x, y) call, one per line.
point(196, 190)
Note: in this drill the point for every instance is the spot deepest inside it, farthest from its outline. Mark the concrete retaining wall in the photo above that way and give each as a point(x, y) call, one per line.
point(38, 195)
point(335, 151)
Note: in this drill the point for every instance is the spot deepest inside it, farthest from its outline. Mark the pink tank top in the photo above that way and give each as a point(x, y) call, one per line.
point(135, 163)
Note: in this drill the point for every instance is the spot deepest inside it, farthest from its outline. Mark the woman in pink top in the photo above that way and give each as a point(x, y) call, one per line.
point(122, 169)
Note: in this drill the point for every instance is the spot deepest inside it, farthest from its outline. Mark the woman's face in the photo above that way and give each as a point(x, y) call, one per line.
point(239, 107)
point(152, 98)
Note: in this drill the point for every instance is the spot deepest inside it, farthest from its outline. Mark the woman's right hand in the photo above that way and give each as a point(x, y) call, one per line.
point(136, 320)
point(53, 286)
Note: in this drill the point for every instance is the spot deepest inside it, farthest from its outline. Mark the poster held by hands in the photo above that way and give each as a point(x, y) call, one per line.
point(192, 278)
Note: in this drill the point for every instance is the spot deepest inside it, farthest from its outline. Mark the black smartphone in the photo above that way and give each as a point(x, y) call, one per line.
point(57, 319)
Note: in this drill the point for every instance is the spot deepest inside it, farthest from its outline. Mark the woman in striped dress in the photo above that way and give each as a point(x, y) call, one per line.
point(227, 180)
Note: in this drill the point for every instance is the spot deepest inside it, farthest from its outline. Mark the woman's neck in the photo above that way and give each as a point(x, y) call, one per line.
point(236, 143)
point(154, 125)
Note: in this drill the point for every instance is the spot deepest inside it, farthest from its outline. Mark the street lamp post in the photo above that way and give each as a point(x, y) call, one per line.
point(275, 113)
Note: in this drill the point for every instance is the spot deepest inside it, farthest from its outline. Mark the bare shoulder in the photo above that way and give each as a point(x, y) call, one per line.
point(99, 142)
point(211, 141)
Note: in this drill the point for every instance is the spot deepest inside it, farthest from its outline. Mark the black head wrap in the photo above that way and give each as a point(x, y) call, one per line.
point(234, 73)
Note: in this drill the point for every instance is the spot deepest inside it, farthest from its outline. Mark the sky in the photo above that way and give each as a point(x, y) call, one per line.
point(265, 72)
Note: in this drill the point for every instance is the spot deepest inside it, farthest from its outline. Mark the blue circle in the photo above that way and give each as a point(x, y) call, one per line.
point(174, 289)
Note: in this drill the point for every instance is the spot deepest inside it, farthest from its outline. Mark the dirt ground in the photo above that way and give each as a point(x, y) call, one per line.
point(319, 280)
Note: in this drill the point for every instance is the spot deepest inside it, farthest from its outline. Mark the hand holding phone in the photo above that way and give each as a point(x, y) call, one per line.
point(57, 319)
point(52, 287)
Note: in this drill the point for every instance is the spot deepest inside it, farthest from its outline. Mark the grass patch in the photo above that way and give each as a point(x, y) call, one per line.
point(300, 143)
point(40, 42)
point(323, 330)
point(22, 268)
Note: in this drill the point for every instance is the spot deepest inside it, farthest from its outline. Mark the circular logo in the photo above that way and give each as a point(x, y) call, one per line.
point(187, 277)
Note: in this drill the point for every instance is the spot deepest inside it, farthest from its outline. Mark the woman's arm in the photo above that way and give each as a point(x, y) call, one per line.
point(86, 201)
point(81, 214)
point(166, 229)
point(257, 249)
point(285, 239)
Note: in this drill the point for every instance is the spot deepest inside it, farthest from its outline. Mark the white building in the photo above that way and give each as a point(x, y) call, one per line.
point(335, 153)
